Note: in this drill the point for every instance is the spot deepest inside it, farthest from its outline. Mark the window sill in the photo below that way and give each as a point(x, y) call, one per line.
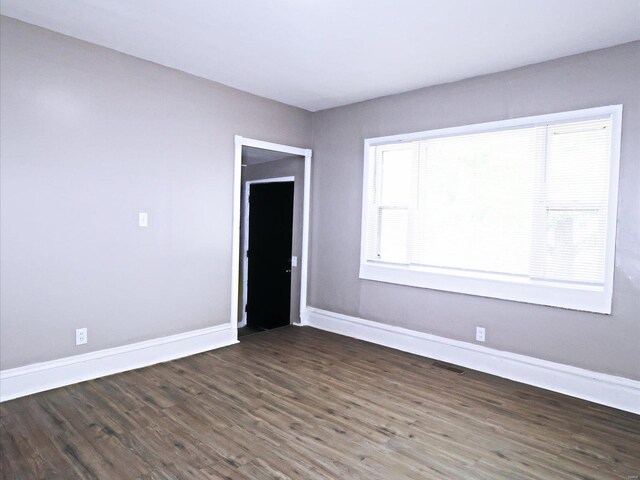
point(587, 298)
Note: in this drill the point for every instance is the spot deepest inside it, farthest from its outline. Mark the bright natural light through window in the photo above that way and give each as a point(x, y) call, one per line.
point(520, 209)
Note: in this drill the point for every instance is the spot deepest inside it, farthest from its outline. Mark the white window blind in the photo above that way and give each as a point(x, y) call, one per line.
point(526, 203)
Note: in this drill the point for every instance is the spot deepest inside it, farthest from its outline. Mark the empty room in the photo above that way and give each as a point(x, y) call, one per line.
point(329, 239)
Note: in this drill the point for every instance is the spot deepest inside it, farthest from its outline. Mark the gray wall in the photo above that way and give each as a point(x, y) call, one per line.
point(609, 344)
point(90, 137)
point(290, 167)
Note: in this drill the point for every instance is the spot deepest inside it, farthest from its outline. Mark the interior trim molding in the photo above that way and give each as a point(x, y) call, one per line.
point(609, 390)
point(38, 377)
point(307, 153)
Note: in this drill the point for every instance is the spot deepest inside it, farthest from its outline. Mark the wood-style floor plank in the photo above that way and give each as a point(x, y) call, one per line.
point(299, 403)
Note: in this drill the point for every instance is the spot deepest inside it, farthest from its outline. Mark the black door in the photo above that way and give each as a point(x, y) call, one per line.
point(270, 228)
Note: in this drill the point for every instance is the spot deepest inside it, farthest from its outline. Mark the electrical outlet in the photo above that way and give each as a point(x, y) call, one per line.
point(480, 334)
point(81, 336)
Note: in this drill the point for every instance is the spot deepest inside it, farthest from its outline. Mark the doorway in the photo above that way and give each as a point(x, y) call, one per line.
point(269, 230)
point(269, 278)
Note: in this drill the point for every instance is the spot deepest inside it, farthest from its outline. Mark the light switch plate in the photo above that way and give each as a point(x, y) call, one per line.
point(143, 219)
point(294, 261)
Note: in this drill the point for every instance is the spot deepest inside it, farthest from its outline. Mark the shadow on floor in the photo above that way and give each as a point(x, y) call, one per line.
point(247, 330)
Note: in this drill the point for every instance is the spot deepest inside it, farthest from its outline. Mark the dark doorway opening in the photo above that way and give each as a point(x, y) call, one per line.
point(269, 255)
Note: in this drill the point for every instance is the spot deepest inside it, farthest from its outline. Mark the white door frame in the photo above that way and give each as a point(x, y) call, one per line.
point(237, 187)
point(245, 244)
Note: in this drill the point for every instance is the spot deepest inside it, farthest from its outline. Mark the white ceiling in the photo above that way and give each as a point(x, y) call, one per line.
point(255, 156)
point(318, 54)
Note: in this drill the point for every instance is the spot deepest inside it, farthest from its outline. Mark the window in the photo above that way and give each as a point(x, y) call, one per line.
point(520, 209)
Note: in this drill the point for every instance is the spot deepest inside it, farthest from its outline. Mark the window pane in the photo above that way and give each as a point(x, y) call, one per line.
point(577, 163)
point(476, 202)
point(576, 188)
point(575, 246)
point(396, 170)
point(393, 226)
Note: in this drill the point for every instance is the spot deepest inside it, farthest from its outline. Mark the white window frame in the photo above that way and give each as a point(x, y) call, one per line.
point(557, 294)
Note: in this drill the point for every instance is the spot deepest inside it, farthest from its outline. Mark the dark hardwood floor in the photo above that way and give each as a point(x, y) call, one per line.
point(302, 403)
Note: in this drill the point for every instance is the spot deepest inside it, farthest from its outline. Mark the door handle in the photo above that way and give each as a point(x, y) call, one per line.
point(287, 271)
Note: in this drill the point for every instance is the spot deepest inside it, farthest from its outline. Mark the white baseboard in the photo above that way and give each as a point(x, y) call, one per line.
point(617, 392)
point(21, 381)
